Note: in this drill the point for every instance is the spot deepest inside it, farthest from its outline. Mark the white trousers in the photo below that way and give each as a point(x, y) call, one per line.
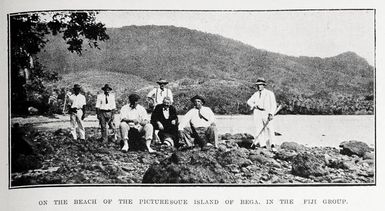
point(77, 124)
point(260, 119)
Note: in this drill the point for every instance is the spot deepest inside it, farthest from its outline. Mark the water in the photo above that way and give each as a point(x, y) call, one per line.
point(311, 130)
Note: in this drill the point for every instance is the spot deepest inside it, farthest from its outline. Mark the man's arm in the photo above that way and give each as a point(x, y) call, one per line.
point(113, 103)
point(84, 107)
point(185, 119)
point(210, 116)
point(251, 101)
point(84, 112)
point(171, 97)
point(97, 105)
point(143, 116)
point(272, 106)
point(173, 115)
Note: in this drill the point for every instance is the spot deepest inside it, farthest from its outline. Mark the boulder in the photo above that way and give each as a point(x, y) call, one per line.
point(285, 155)
point(306, 164)
point(354, 148)
point(292, 146)
point(226, 136)
point(193, 166)
point(368, 156)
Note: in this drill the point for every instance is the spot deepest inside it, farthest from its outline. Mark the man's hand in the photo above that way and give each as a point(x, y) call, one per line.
point(270, 117)
point(143, 122)
point(173, 122)
point(180, 133)
point(160, 126)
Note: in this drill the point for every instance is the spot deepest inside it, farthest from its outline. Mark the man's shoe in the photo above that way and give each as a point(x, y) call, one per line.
point(125, 147)
point(150, 150)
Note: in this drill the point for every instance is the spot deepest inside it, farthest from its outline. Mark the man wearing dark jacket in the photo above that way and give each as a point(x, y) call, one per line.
point(165, 119)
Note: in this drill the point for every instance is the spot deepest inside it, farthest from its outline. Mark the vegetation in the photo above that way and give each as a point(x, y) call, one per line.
point(221, 69)
point(29, 36)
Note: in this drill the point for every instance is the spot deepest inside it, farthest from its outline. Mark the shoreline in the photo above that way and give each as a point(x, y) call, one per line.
point(307, 129)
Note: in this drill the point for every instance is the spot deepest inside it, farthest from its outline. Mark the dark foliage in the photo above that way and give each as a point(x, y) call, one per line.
point(28, 34)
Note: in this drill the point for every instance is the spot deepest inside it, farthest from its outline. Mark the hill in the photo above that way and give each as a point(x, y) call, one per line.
point(198, 61)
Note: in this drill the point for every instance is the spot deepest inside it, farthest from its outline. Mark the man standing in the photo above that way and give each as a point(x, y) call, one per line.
point(134, 116)
point(264, 106)
point(105, 110)
point(77, 104)
point(198, 123)
point(165, 119)
point(157, 95)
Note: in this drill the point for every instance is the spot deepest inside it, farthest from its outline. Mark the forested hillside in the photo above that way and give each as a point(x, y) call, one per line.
point(222, 69)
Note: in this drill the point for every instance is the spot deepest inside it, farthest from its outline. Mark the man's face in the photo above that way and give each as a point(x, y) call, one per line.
point(198, 103)
point(260, 87)
point(107, 91)
point(77, 91)
point(167, 102)
point(133, 103)
point(162, 85)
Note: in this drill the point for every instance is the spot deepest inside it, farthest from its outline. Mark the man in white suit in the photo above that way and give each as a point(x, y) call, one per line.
point(264, 105)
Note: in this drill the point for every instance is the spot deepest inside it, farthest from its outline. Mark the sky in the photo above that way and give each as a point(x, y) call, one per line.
point(295, 33)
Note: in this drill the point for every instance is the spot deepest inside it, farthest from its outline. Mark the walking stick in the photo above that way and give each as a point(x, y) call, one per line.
point(267, 122)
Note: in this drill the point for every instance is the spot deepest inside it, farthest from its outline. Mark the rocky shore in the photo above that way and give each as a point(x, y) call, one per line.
point(52, 157)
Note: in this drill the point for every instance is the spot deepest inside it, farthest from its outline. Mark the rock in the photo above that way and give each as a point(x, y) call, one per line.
point(259, 159)
point(354, 148)
point(306, 164)
point(222, 148)
point(33, 110)
point(275, 163)
point(196, 167)
point(292, 146)
point(233, 168)
point(242, 136)
point(368, 156)
point(285, 155)
point(349, 165)
point(226, 136)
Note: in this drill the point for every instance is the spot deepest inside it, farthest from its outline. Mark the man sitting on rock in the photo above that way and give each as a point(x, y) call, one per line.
point(134, 117)
point(198, 124)
point(164, 119)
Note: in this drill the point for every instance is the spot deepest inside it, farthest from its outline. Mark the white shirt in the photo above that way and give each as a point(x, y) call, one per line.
point(77, 101)
point(158, 95)
point(139, 113)
point(101, 102)
point(166, 113)
point(264, 100)
point(193, 117)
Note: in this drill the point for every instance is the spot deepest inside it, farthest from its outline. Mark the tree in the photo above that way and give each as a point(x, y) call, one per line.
point(28, 36)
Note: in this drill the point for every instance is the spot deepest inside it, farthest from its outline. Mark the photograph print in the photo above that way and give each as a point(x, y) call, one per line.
point(192, 98)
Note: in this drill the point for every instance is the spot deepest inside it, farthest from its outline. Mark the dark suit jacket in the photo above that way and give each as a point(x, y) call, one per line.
point(157, 115)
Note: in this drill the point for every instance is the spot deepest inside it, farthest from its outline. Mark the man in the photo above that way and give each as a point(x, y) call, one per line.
point(164, 119)
point(198, 123)
point(105, 111)
point(134, 117)
point(264, 106)
point(157, 95)
point(77, 103)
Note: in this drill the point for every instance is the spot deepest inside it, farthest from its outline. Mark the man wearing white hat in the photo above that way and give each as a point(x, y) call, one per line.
point(157, 95)
point(264, 106)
